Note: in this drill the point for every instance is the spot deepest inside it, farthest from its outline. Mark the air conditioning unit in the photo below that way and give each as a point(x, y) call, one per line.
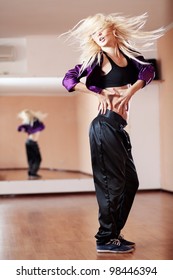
point(7, 53)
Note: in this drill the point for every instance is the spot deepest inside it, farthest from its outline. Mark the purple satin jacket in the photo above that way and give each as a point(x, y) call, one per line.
point(31, 129)
point(92, 73)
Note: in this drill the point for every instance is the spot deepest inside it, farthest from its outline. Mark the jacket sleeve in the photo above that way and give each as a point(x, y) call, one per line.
point(72, 77)
point(146, 72)
point(23, 127)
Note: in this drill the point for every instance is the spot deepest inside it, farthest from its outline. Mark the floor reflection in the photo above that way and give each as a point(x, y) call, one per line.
point(21, 174)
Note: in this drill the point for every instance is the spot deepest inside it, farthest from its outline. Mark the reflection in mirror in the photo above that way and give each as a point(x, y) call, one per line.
point(32, 125)
point(59, 153)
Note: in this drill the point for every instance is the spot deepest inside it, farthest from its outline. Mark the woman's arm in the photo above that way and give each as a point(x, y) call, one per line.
point(146, 72)
point(72, 78)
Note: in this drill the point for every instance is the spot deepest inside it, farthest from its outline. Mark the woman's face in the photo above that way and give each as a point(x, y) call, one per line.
point(104, 37)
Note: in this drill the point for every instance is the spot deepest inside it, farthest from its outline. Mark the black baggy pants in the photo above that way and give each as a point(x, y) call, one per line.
point(114, 173)
point(33, 157)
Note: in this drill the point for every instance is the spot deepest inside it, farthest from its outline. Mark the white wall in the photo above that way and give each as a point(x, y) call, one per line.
point(166, 109)
point(144, 129)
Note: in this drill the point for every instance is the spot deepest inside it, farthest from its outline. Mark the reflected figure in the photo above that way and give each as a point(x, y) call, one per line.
point(32, 125)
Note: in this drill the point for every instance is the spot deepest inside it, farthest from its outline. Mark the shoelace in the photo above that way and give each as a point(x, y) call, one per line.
point(121, 236)
point(114, 241)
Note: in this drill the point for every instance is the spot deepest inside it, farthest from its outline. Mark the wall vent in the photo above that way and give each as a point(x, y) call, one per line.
point(7, 53)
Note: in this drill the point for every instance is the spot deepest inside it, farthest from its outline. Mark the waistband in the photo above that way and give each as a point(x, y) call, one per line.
point(115, 117)
point(30, 141)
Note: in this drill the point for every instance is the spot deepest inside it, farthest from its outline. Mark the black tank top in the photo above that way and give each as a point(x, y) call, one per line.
point(118, 76)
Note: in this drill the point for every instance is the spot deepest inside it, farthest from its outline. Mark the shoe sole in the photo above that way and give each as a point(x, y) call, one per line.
point(33, 178)
point(116, 252)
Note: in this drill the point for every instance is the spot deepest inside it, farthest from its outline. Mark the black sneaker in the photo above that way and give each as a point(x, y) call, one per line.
point(114, 246)
point(126, 242)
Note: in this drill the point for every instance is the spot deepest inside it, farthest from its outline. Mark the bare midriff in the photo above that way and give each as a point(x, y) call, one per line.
point(34, 136)
point(113, 99)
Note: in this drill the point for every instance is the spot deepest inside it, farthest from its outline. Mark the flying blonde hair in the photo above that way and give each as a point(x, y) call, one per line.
point(28, 116)
point(128, 31)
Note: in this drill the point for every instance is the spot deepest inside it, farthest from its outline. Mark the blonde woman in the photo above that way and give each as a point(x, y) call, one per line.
point(32, 125)
point(114, 71)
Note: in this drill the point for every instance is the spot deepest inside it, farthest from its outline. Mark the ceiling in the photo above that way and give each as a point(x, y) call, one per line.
point(20, 18)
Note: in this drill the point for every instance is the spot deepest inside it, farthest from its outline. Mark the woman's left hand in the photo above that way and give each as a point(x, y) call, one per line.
point(122, 103)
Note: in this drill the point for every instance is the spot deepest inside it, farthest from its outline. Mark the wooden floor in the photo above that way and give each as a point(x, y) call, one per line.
point(62, 227)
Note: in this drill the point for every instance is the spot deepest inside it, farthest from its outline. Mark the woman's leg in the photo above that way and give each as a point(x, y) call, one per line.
point(109, 157)
point(114, 173)
point(33, 157)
